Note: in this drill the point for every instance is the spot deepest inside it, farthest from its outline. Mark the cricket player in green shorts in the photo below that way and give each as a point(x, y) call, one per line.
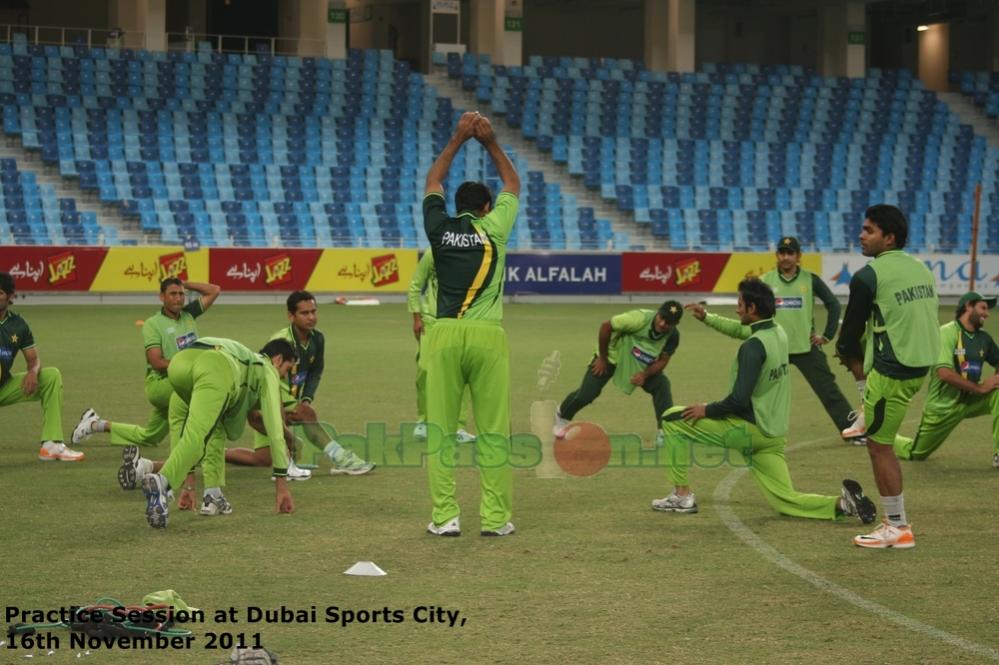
point(467, 345)
point(216, 383)
point(298, 391)
point(421, 302)
point(751, 424)
point(164, 334)
point(893, 299)
point(957, 389)
point(37, 384)
point(633, 349)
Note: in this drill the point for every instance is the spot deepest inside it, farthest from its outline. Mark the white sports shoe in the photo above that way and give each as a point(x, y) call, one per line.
point(420, 431)
point(995, 461)
point(561, 426)
point(674, 503)
point(133, 466)
point(887, 536)
point(349, 464)
point(858, 428)
point(297, 473)
point(461, 436)
point(451, 528)
point(660, 439)
point(56, 451)
point(85, 427)
point(215, 505)
point(505, 530)
point(155, 487)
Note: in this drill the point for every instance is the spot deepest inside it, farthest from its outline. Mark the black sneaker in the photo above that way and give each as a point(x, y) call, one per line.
point(855, 503)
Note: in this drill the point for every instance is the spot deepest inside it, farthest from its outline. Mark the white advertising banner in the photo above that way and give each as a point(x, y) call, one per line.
point(952, 272)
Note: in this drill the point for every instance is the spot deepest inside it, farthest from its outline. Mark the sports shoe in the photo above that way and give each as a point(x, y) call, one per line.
point(660, 440)
point(561, 426)
point(505, 530)
point(349, 464)
point(995, 461)
point(451, 528)
point(857, 427)
point(461, 436)
point(85, 427)
point(56, 451)
point(674, 503)
point(420, 431)
point(154, 486)
point(859, 441)
point(855, 504)
point(133, 466)
point(885, 536)
point(215, 505)
point(297, 473)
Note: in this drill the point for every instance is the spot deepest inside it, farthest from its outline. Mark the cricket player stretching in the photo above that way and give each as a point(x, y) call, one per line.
point(467, 346)
point(216, 383)
point(957, 389)
point(894, 295)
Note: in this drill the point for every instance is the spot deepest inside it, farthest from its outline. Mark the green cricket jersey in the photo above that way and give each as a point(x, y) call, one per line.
point(964, 352)
point(15, 335)
point(795, 303)
point(470, 257)
point(422, 295)
point(303, 379)
point(256, 386)
point(168, 335)
point(761, 381)
point(635, 344)
point(896, 295)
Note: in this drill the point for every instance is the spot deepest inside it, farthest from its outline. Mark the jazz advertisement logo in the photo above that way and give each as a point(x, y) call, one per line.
point(62, 268)
point(277, 270)
point(688, 272)
point(384, 270)
point(173, 265)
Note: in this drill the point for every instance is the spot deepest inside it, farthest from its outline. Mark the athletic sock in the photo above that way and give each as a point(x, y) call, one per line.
point(102, 426)
point(862, 387)
point(894, 510)
point(214, 492)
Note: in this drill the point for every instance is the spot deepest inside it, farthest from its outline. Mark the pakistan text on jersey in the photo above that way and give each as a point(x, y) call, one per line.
point(453, 239)
point(778, 373)
point(912, 293)
point(555, 274)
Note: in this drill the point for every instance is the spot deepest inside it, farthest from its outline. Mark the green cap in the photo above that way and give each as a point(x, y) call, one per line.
point(973, 297)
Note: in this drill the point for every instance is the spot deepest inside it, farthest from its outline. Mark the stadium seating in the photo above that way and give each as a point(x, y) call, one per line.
point(734, 156)
point(258, 150)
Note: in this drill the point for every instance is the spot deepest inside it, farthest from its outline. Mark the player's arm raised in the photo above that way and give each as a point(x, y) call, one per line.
point(208, 292)
point(441, 166)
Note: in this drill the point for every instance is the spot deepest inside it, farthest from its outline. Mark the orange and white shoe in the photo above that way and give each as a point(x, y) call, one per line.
point(858, 427)
point(56, 451)
point(887, 536)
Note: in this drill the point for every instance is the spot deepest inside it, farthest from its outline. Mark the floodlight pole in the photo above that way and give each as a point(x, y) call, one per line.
point(974, 236)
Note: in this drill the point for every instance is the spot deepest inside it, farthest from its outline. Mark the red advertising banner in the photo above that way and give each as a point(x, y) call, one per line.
point(661, 272)
point(239, 269)
point(51, 268)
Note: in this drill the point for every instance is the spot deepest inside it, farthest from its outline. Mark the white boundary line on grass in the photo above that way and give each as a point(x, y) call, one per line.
point(721, 494)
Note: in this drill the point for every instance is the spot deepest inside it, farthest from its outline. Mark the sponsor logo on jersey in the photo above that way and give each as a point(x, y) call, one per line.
point(384, 270)
point(277, 270)
point(790, 302)
point(62, 268)
point(173, 265)
point(972, 369)
point(642, 356)
point(6, 354)
point(298, 378)
point(186, 340)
